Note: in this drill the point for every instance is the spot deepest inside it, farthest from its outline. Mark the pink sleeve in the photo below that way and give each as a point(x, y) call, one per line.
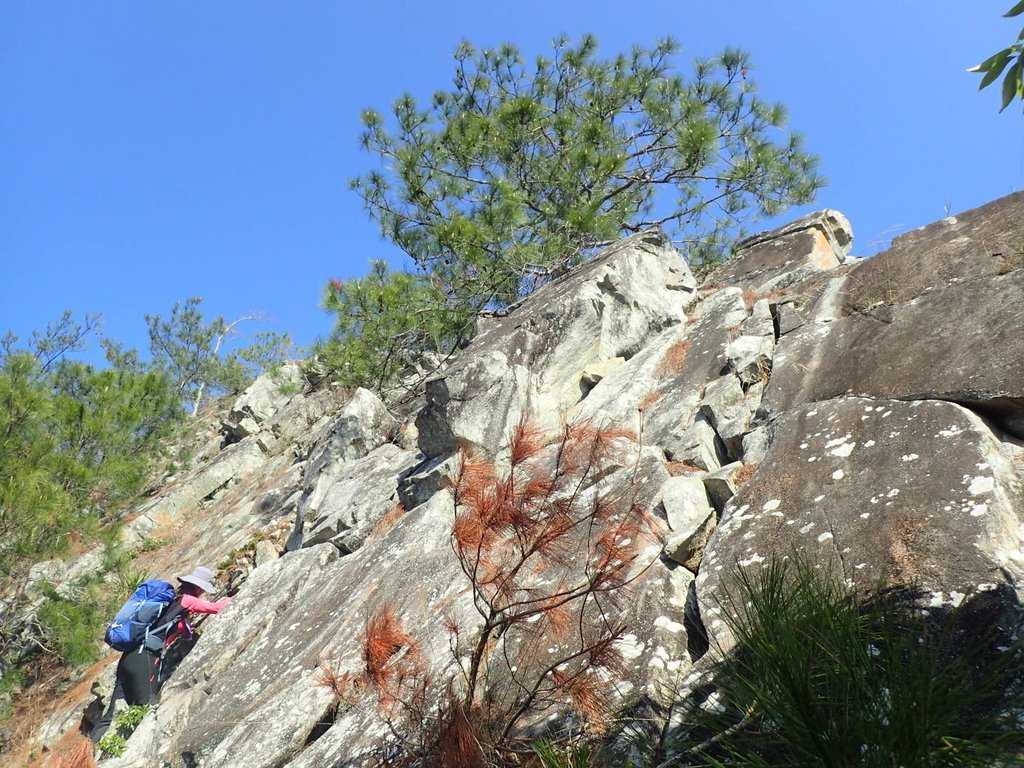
point(198, 605)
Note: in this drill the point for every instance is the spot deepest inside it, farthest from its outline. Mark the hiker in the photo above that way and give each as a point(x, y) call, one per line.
point(142, 671)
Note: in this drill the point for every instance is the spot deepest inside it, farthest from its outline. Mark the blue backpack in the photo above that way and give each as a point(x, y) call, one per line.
point(134, 623)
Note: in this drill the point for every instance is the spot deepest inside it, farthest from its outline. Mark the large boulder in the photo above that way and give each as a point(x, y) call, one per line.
point(858, 413)
point(960, 281)
point(254, 681)
point(920, 493)
point(776, 259)
point(535, 360)
point(270, 393)
point(344, 506)
point(980, 363)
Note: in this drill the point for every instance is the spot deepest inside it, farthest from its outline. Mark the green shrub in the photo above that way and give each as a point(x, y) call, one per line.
point(553, 754)
point(112, 744)
point(115, 741)
point(72, 626)
point(823, 675)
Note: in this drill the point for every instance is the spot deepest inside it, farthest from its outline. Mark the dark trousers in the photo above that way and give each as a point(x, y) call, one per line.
point(138, 681)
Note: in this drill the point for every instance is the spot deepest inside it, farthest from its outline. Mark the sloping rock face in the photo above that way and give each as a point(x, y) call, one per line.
point(539, 360)
point(865, 414)
point(893, 418)
point(935, 317)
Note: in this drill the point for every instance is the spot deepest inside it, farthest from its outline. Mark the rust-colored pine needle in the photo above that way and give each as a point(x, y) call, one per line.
point(590, 697)
point(527, 441)
point(338, 684)
point(384, 638)
point(457, 743)
point(606, 653)
point(559, 617)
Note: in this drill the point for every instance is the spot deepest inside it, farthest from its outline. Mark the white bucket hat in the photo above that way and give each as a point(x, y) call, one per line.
point(200, 577)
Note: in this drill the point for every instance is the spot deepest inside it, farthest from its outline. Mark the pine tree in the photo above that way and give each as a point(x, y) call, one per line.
point(520, 171)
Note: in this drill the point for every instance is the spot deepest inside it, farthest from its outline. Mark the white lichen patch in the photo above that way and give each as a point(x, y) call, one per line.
point(893, 493)
point(250, 690)
point(865, 515)
point(837, 441)
point(824, 537)
point(755, 558)
point(630, 647)
point(807, 528)
point(771, 504)
point(838, 474)
point(980, 485)
point(664, 622)
point(909, 457)
point(977, 510)
point(952, 431)
point(818, 499)
point(844, 450)
point(869, 443)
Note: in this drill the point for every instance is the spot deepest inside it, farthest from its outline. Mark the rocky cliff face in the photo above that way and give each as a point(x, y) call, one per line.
point(866, 413)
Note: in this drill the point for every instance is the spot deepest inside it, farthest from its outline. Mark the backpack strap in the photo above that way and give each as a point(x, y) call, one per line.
point(158, 631)
point(174, 614)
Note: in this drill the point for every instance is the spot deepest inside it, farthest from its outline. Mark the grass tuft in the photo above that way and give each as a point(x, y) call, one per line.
point(823, 675)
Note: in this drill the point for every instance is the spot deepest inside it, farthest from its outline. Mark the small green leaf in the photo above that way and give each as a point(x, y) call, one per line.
point(1011, 84)
point(1017, 10)
point(996, 60)
point(998, 63)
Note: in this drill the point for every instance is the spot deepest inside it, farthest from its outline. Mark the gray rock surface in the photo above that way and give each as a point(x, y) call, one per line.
point(690, 517)
point(345, 505)
point(863, 413)
point(911, 492)
point(270, 393)
point(819, 241)
point(533, 361)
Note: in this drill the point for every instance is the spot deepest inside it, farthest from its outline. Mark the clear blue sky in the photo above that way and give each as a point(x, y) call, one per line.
point(154, 151)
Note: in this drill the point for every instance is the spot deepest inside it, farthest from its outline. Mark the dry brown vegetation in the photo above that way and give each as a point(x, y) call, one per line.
point(80, 755)
point(547, 560)
point(750, 298)
point(389, 521)
point(648, 400)
point(677, 468)
point(744, 473)
point(673, 361)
